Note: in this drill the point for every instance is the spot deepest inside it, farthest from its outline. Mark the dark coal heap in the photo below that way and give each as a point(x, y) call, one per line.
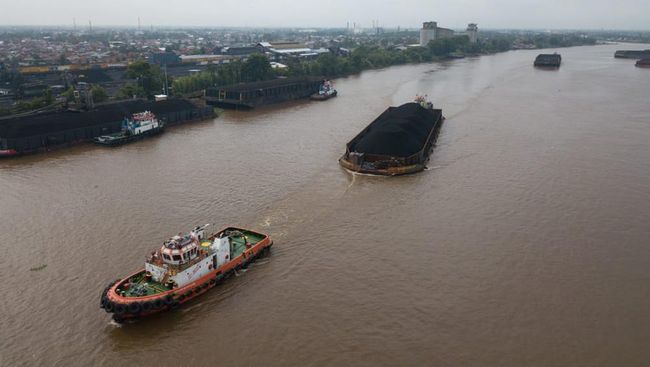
point(56, 121)
point(399, 131)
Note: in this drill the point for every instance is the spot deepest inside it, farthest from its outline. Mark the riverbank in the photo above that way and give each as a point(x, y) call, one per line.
point(41, 132)
point(369, 57)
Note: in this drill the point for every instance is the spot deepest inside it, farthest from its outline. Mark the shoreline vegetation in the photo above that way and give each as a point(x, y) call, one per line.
point(367, 57)
point(379, 52)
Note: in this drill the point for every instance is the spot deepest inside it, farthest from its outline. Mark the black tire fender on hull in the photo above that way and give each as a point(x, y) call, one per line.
point(125, 311)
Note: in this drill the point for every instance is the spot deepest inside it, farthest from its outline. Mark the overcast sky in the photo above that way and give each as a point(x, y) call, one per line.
point(539, 14)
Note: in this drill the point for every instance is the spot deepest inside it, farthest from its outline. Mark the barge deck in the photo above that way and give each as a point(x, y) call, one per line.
point(251, 95)
point(397, 142)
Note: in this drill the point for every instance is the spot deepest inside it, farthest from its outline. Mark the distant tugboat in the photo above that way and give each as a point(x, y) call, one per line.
point(184, 267)
point(137, 127)
point(325, 92)
point(397, 142)
point(548, 60)
point(643, 63)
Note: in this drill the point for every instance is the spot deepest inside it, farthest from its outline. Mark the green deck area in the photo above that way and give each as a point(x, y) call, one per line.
point(140, 287)
point(239, 242)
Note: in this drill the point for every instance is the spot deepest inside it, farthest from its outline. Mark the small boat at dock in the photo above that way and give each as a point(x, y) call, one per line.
point(325, 92)
point(139, 126)
point(183, 268)
point(643, 63)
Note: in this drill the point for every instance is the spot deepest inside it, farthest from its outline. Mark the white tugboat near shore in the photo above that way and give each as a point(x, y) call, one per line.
point(140, 125)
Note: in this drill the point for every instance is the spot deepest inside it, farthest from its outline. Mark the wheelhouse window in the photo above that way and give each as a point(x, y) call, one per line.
point(177, 257)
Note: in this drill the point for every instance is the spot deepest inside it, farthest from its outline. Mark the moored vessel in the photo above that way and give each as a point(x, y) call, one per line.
point(325, 92)
point(8, 152)
point(184, 267)
point(397, 142)
point(140, 125)
point(643, 63)
point(50, 130)
point(255, 94)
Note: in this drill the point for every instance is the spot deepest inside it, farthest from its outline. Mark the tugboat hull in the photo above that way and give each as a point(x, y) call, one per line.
point(322, 97)
point(125, 308)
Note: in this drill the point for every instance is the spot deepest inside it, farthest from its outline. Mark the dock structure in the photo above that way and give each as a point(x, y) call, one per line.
point(250, 95)
point(43, 131)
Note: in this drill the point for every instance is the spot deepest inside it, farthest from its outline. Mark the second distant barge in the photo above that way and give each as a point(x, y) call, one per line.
point(632, 54)
point(397, 142)
point(250, 95)
point(548, 60)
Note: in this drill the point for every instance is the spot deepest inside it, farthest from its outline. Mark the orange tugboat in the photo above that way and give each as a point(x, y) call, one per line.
point(184, 267)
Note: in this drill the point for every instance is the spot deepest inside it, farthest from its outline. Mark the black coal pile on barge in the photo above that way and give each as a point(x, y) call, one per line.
point(250, 95)
point(44, 131)
point(548, 60)
point(399, 141)
point(632, 54)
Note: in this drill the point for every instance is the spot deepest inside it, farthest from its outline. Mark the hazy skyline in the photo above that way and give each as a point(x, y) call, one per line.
point(524, 14)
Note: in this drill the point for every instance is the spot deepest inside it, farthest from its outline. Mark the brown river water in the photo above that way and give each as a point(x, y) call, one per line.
point(525, 243)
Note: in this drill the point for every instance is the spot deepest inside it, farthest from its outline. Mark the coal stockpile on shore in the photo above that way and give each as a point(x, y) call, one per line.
point(398, 132)
point(41, 131)
point(112, 112)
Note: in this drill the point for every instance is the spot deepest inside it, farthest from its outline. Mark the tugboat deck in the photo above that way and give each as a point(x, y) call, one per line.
point(141, 287)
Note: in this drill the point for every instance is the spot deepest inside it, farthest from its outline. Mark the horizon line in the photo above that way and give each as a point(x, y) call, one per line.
point(147, 27)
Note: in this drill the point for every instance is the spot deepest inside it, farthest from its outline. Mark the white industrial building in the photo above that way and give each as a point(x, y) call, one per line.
point(430, 32)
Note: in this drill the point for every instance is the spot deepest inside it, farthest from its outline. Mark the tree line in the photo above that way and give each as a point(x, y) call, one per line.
point(329, 65)
point(149, 79)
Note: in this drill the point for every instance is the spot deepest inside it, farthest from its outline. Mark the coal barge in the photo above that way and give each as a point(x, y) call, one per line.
point(548, 60)
point(632, 54)
point(50, 130)
point(397, 142)
point(251, 95)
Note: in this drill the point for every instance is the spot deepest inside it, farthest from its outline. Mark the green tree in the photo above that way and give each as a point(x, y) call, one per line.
point(47, 97)
point(68, 94)
point(99, 94)
point(63, 60)
point(148, 76)
point(329, 65)
point(257, 67)
point(130, 91)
